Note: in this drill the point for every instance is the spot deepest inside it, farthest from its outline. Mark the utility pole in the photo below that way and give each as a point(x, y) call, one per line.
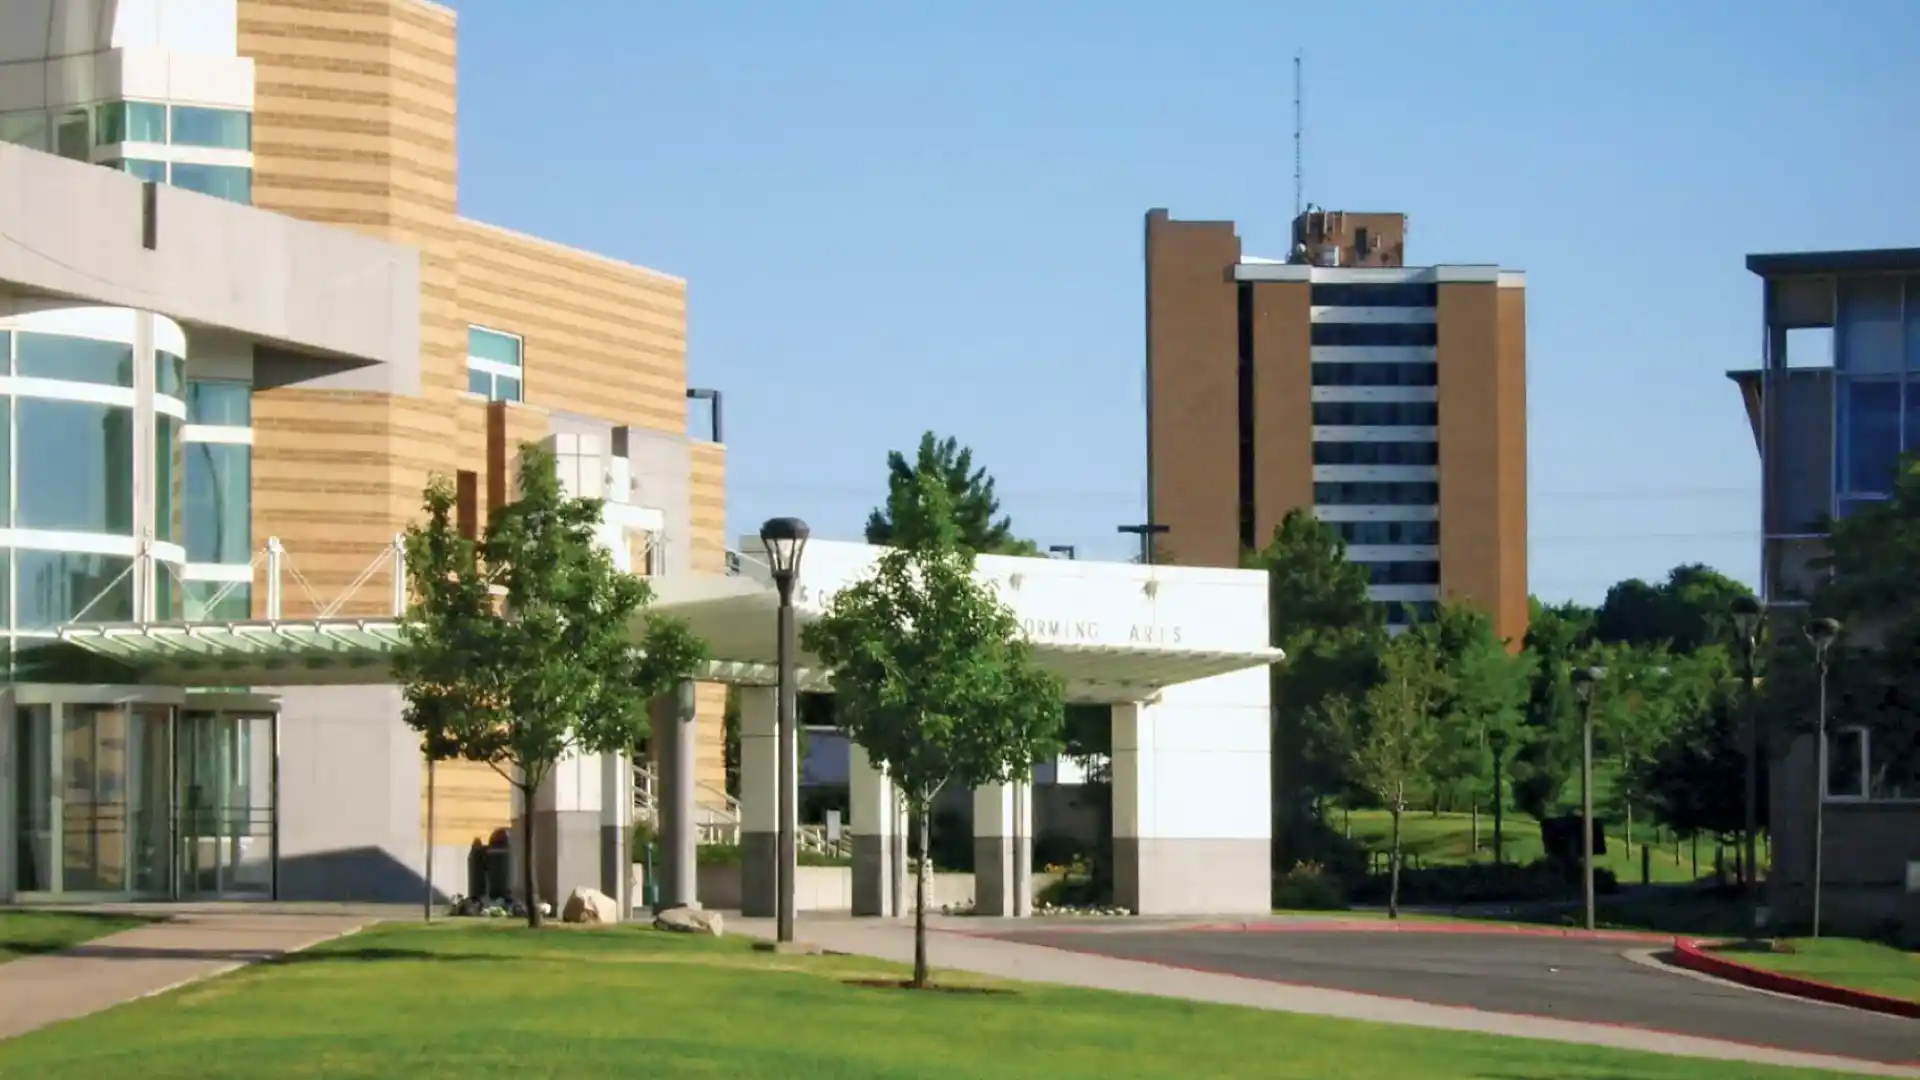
point(1146, 532)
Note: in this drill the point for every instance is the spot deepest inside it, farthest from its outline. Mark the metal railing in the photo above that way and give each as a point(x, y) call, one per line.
point(720, 822)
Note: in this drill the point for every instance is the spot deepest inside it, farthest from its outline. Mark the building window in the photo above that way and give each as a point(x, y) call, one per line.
point(217, 129)
point(494, 364)
point(1375, 294)
point(166, 479)
point(71, 139)
point(219, 503)
point(1409, 612)
point(1376, 374)
point(72, 359)
point(1869, 434)
point(57, 587)
point(28, 129)
point(1376, 413)
point(233, 183)
point(582, 472)
point(81, 476)
point(1867, 333)
point(219, 403)
point(1375, 334)
point(1365, 493)
point(130, 121)
point(1370, 533)
point(1376, 453)
point(1861, 768)
point(152, 172)
point(1402, 573)
point(218, 601)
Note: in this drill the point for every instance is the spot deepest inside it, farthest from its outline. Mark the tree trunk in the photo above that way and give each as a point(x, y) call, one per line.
point(1473, 808)
point(1393, 861)
point(428, 901)
point(1629, 828)
point(527, 890)
point(921, 873)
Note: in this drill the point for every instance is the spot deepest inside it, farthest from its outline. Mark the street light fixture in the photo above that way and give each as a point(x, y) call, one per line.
point(1821, 632)
point(785, 540)
point(1586, 683)
point(1745, 611)
point(1497, 742)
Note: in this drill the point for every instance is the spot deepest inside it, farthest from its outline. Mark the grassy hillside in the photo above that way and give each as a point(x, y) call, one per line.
point(1447, 840)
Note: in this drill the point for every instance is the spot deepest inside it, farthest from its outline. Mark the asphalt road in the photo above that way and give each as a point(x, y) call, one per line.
point(1564, 978)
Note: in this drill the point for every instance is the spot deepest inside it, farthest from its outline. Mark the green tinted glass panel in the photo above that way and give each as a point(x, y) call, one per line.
point(229, 182)
point(488, 345)
point(28, 129)
point(479, 382)
point(72, 359)
point(70, 138)
point(6, 353)
point(129, 121)
point(153, 172)
point(221, 129)
point(206, 604)
point(220, 404)
point(169, 373)
point(56, 587)
point(219, 503)
point(167, 601)
point(6, 467)
point(167, 479)
point(81, 472)
point(506, 389)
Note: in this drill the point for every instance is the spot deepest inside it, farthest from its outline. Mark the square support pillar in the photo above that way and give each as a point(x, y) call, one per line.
point(1192, 815)
point(760, 801)
point(873, 816)
point(569, 819)
point(679, 838)
point(1003, 850)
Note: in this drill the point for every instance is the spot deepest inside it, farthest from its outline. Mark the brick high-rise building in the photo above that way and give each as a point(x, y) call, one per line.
point(1391, 399)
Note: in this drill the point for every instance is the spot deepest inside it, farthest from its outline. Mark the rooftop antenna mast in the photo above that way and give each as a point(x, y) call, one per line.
point(1299, 181)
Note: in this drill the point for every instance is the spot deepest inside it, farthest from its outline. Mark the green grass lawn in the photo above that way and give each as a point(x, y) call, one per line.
point(481, 1001)
point(1863, 965)
point(1447, 840)
point(26, 933)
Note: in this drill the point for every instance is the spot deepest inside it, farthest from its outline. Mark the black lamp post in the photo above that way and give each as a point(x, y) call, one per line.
point(1745, 611)
point(1822, 633)
point(1497, 742)
point(1586, 681)
point(785, 540)
point(1146, 532)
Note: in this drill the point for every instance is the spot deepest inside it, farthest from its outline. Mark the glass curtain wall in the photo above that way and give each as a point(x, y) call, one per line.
point(1876, 386)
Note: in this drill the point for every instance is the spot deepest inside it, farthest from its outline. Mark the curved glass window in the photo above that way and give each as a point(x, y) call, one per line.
point(166, 479)
point(153, 172)
point(55, 587)
point(221, 129)
point(81, 471)
point(169, 373)
point(205, 602)
point(230, 182)
point(130, 121)
point(219, 404)
point(167, 601)
point(72, 359)
point(219, 508)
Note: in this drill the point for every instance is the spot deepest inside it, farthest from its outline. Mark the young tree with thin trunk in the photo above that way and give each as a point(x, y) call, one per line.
point(1391, 734)
point(521, 649)
point(932, 675)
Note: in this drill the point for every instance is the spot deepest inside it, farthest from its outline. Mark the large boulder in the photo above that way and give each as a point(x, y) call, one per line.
point(585, 905)
point(686, 920)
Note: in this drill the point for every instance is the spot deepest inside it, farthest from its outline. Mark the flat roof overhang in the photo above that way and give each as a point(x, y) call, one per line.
point(735, 615)
point(75, 232)
point(1863, 261)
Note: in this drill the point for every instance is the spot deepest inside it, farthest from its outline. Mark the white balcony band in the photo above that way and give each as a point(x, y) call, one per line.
point(1372, 354)
point(1419, 394)
point(1333, 313)
point(1392, 553)
point(216, 433)
point(1374, 473)
point(221, 572)
point(1377, 513)
point(1356, 433)
point(1253, 268)
point(1406, 594)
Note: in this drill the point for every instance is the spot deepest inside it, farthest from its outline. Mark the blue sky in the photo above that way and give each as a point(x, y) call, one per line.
point(900, 216)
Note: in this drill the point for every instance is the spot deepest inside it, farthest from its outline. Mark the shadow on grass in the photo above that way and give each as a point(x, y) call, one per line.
point(930, 988)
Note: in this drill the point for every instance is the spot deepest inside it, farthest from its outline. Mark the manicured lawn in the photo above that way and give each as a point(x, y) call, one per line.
point(1863, 965)
point(1447, 840)
point(25, 933)
point(484, 1001)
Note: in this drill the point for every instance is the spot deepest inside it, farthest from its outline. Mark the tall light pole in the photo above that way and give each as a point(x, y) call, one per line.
point(785, 540)
point(1745, 611)
point(1146, 532)
point(1822, 633)
point(1586, 682)
point(1497, 742)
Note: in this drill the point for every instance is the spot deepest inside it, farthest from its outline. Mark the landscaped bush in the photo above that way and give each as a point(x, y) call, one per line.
point(1482, 883)
point(1309, 887)
point(729, 855)
point(1077, 886)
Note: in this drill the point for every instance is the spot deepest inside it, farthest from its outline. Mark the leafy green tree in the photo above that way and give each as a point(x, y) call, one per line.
point(934, 678)
point(1559, 637)
point(1686, 612)
point(1390, 734)
point(975, 509)
point(1694, 781)
point(520, 650)
point(1332, 635)
point(1487, 691)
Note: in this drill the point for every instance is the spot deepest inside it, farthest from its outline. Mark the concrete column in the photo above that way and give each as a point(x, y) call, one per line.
point(759, 802)
point(1192, 817)
point(569, 833)
point(1003, 850)
point(899, 866)
point(616, 830)
point(872, 806)
point(674, 734)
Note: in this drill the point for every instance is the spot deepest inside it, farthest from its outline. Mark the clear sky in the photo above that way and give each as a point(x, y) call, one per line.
point(898, 216)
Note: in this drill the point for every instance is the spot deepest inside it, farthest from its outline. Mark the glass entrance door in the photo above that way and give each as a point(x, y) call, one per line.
point(91, 785)
point(223, 765)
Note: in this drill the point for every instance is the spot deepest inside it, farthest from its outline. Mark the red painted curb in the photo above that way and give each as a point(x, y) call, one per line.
point(1689, 955)
point(1369, 926)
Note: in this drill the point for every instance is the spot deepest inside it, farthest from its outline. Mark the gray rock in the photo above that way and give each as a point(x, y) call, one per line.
point(686, 920)
point(585, 905)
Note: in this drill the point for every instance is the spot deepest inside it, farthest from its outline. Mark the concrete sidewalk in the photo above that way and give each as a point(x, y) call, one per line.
point(951, 946)
point(189, 945)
